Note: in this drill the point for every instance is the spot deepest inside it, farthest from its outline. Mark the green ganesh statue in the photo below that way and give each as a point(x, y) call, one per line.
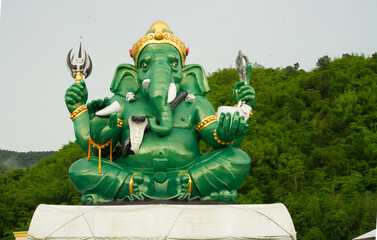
point(143, 142)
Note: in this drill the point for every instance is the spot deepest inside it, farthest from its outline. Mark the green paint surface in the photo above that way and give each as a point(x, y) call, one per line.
point(169, 164)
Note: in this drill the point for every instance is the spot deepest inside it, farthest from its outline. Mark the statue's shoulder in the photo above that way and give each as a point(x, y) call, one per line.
point(200, 99)
point(203, 106)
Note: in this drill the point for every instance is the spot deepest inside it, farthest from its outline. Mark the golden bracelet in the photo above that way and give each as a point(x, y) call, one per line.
point(130, 187)
point(78, 112)
point(205, 122)
point(219, 141)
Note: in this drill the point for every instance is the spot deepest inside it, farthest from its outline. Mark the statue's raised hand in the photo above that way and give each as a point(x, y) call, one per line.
point(96, 105)
point(76, 96)
point(230, 129)
point(102, 129)
point(244, 92)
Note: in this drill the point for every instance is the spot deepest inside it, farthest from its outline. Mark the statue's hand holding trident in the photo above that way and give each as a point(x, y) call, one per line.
point(233, 121)
point(242, 90)
point(95, 125)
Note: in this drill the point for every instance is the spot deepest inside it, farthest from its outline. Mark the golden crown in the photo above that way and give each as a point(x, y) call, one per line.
point(159, 32)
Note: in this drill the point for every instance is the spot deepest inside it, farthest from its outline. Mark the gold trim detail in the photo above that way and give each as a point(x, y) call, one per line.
point(20, 234)
point(99, 147)
point(161, 34)
point(120, 123)
point(250, 114)
point(189, 183)
point(78, 112)
point(130, 187)
point(205, 122)
point(219, 141)
point(78, 77)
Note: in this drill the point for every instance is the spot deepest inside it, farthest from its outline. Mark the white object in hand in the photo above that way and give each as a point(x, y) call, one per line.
point(245, 109)
point(242, 108)
point(114, 107)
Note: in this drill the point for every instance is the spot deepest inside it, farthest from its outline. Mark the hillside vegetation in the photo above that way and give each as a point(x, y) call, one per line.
point(11, 160)
point(312, 141)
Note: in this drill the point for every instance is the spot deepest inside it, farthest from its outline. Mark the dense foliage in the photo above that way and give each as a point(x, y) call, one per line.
point(312, 141)
point(10, 160)
point(23, 190)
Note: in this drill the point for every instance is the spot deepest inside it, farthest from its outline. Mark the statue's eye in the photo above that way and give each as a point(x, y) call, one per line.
point(143, 64)
point(175, 64)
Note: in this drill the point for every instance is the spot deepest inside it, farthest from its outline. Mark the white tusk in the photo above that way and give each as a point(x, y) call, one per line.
point(172, 93)
point(114, 107)
point(145, 84)
point(137, 133)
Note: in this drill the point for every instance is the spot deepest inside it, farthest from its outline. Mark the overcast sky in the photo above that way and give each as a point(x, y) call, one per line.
point(36, 35)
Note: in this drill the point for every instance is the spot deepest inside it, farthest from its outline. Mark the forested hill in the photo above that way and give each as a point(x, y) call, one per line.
point(312, 141)
point(10, 160)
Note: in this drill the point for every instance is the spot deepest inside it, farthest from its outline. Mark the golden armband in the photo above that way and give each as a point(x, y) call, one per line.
point(78, 112)
point(205, 122)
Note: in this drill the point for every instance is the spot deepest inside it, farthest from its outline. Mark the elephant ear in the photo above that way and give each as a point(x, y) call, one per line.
point(194, 80)
point(125, 80)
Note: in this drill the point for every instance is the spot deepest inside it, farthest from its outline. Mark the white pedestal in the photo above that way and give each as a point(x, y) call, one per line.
point(163, 221)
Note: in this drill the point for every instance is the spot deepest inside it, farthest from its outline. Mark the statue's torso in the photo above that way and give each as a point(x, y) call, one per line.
point(178, 149)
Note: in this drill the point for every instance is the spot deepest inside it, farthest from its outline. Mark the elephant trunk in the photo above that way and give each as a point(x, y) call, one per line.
point(158, 94)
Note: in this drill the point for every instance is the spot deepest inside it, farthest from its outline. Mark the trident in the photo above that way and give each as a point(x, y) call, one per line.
point(83, 64)
point(243, 71)
point(240, 67)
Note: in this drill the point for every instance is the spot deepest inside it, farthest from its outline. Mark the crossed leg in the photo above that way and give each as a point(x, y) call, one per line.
point(96, 187)
point(218, 174)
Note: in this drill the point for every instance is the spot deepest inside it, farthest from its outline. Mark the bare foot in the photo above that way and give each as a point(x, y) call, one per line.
point(142, 186)
point(223, 196)
point(87, 199)
point(180, 187)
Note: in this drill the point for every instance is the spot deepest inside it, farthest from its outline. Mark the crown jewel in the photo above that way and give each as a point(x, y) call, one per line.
point(159, 32)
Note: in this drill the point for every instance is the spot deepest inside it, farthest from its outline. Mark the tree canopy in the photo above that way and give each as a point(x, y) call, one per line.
point(313, 143)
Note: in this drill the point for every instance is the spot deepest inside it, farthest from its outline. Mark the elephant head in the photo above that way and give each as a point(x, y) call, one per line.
point(159, 74)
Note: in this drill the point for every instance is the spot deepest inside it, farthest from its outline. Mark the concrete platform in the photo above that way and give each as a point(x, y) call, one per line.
point(162, 221)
